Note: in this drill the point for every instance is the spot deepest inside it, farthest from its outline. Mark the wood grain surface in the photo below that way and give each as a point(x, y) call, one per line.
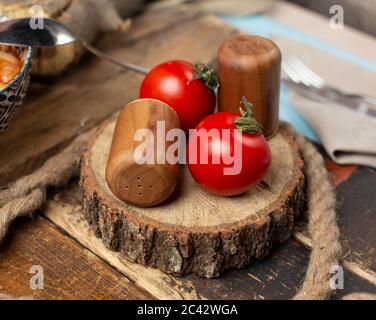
point(194, 231)
point(250, 66)
point(54, 114)
point(59, 110)
point(274, 278)
point(134, 158)
point(356, 208)
point(70, 271)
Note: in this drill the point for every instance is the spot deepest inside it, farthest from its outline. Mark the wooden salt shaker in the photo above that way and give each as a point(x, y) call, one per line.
point(147, 184)
point(250, 66)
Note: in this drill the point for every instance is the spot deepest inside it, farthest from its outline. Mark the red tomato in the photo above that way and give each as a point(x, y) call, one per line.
point(183, 87)
point(253, 161)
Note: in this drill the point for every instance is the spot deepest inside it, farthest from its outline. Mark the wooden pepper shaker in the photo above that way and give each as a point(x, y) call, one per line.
point(250, 66)
point(149, 183)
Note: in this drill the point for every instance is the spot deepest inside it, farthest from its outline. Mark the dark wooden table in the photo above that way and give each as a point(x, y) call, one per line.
point(76, 264)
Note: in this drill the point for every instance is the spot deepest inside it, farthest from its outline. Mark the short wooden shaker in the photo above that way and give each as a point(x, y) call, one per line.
point(142, 183)
point(250, 66)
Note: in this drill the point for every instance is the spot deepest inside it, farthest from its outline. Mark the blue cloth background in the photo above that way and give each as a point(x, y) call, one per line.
point(265, 26)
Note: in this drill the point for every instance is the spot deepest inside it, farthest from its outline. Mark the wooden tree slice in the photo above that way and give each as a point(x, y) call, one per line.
point(195, 231)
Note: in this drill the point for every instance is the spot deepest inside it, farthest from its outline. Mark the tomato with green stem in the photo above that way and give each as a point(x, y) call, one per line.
point(244, 143)
point(189, 89)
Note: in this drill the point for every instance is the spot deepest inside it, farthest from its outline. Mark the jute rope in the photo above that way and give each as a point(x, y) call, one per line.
point(322, 226)
point(29, 193)
point(360, 296)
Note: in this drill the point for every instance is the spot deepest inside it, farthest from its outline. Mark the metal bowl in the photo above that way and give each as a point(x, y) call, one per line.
point(12, 96)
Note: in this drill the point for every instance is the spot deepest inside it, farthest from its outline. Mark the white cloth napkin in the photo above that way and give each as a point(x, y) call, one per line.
point(348, 136)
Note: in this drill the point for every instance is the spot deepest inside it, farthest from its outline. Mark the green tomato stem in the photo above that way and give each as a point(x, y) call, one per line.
point(207, 75)
point(247, 122)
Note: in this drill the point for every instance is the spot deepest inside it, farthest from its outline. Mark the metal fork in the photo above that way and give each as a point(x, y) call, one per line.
point(298, 72)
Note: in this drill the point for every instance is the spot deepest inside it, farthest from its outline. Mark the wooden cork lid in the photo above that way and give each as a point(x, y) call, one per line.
point(250, 66)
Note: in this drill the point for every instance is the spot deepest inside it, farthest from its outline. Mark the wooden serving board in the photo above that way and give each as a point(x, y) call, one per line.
point(195, 231)
point(58, 237)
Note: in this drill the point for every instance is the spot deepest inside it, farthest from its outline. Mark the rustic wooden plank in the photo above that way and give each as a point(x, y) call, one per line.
point(352, 284)
point(70, 271)
point(95, 89)
point(356, 219)
point(277, 277)
point(59, 123)
point(65, 211)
